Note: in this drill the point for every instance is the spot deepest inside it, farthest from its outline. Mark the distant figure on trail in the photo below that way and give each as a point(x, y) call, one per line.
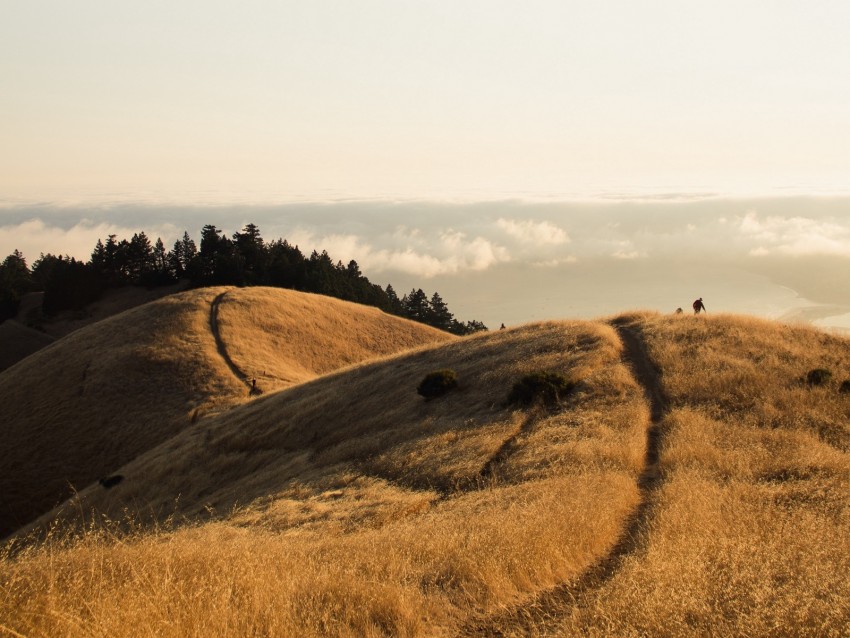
point(679, 311)
point(699, 306)
point(502, 327)
point(254, 389)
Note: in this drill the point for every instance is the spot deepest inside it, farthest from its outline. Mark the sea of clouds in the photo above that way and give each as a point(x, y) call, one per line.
point(515, 261)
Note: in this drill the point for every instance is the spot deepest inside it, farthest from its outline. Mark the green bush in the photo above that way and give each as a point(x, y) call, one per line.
point(547, 387)
point(818, 376)
point(436, 384)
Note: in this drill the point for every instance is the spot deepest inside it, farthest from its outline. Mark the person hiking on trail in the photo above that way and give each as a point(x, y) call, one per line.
point(699, 305)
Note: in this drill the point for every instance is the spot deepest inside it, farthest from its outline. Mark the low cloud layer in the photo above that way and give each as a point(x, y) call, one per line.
point(500, 254)
point(447, 238)
point(433, 239)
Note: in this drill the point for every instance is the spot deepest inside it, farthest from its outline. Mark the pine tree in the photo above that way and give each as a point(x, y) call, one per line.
point(140, 258)
point(15, 281)
point(416, 306)
point(394, 302)
point(439, 315)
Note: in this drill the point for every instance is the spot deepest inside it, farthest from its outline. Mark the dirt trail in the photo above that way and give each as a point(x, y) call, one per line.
point(541, 615)
point(219, 343)
point(510, 445)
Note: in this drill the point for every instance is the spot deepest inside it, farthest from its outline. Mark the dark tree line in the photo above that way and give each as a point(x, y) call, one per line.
point(244, 259)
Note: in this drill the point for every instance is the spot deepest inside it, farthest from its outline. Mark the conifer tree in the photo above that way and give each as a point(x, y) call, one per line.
point(416, 306)
point(438, 313)
point(15, 281)
point(394, 303)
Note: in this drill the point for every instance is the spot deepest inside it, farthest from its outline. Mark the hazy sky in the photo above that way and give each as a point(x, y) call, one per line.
point(529, 159)
point(281, 100)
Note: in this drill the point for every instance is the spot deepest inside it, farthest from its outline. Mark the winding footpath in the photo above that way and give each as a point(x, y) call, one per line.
point(541, 615)
point(219, 343)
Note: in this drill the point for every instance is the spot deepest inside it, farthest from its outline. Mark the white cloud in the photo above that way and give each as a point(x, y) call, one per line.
point(528, 231)
point(796, 236)
point(34, 236)
point(622, 254)
point(448, 252)
point(554, 263)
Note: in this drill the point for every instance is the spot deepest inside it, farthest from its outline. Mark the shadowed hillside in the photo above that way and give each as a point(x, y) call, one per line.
point(689, 480)
point(97, 398)
point(18, 342)
point(42, 330)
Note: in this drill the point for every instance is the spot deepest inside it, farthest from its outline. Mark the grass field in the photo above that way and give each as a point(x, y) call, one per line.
point(94, 400)
point(696, 485)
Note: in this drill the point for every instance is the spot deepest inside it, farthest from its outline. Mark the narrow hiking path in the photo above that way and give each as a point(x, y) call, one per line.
point(219, 343)
point(541, 615)
point(509, 446)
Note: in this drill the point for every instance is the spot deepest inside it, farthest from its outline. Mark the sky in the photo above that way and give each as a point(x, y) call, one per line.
point(484, 99)
point(499, 147)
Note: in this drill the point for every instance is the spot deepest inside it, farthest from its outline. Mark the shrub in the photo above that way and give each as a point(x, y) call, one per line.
point(546, 387)
point(818, 376)
point(436, 384)
point(844, 388)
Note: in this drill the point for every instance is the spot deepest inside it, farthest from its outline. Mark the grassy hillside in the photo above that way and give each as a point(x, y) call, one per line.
point(750, 533)
point(692, 483)
point(18, 342)
point(106, 393)
point(112, 302)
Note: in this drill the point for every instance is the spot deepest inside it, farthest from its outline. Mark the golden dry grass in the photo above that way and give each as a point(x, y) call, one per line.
point(283, 337)
point(350, 506)
point(750, 529)
point(92, 401)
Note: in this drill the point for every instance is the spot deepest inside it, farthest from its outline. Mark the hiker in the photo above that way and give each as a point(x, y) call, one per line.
point(502, 327)
point(699, 306)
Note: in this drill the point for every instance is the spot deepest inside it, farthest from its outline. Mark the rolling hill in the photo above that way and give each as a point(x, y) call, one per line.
point(31, 330)
point(18, 341)
point(693, 480)
point(92, 401)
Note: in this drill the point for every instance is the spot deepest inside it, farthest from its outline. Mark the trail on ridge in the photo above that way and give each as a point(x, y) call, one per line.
point(541, 615)
point(509, 446)
point(219, 342)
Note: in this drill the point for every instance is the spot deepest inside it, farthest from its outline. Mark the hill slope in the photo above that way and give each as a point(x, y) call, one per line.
point(17, 342)
point(462, 492)
point(97, 398)
point(691, 483)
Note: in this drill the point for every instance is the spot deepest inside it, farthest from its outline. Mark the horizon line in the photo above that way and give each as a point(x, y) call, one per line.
point(219, 199)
